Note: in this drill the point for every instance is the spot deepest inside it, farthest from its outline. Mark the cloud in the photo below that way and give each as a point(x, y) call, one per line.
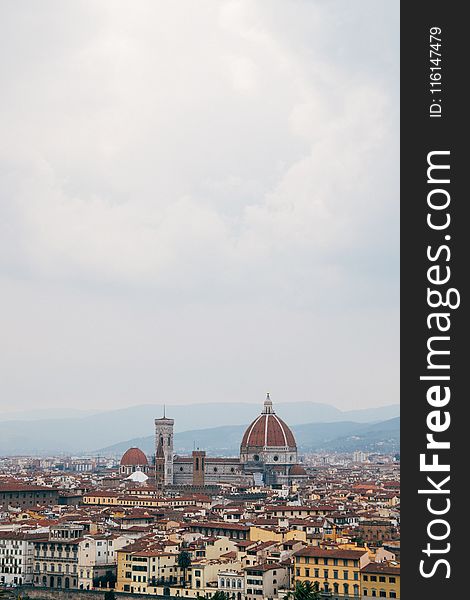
point(212, 153)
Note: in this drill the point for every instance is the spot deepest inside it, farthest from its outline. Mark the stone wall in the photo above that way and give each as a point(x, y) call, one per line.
point(38, 593)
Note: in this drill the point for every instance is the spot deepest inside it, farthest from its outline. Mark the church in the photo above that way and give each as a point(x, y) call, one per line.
point(268, 456)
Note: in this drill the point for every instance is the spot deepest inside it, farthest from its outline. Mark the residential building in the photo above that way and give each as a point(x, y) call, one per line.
point(334, 571)
point(56, 558)
point(17, 557)
point(380, 580)
point(264, 581)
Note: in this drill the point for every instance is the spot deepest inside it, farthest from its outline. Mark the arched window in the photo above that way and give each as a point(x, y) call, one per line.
point(222, 582)
point(346, 588)
point(356, 589)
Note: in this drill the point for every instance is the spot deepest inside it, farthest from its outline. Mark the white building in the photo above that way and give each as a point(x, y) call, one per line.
point(17, 557)
point(97, 555)
point(232, 583)
point(265, 581)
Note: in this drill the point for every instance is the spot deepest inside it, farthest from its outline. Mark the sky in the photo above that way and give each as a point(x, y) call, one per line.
point(198, 202)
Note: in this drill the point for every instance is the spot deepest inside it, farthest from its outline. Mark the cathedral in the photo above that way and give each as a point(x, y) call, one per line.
point(268, 456)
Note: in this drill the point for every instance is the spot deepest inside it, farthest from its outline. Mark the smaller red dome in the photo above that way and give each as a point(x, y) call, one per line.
point(297, 470)
point(134, 457)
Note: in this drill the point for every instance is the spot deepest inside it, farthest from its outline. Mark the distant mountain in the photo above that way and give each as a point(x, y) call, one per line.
point(85, 433)
point(381, 437)
point(344, 436)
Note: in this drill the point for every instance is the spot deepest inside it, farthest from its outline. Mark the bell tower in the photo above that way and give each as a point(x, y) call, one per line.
point(164, 445)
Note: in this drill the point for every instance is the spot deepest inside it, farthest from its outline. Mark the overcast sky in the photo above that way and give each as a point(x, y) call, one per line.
point(198, 202)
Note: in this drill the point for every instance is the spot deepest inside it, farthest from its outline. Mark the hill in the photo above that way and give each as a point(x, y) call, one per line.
point(85, 433)
point(344, 436)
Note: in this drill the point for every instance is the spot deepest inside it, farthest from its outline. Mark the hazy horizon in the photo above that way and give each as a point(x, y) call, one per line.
point(51, 412)
point(199, 203)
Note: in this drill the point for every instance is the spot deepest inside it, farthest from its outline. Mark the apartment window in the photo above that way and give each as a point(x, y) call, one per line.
point(317, 572)
point(297, 572)
point(364, 592)
point(382, 579)
point(391, 579)
point(373, 578)
point(345, 575)
point(335, 574)
point(307, 572)
point(393, 594)
point(383, 594)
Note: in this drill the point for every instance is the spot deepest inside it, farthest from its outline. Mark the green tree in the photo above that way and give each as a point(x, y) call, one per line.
point(109, 580)
point(109, 595)
point(184, 561)
point(304, 590)
point(219, 595)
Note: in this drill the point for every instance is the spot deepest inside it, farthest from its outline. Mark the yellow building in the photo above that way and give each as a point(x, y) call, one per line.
point(266, 534)
point(335, 571)
point(141, 571)
point(145, 568)
point(141, 500)
point(381, 580)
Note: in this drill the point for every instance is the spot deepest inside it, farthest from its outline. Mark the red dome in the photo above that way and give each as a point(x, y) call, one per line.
point(268, 430)
point(297, 470)
point(134, 457)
